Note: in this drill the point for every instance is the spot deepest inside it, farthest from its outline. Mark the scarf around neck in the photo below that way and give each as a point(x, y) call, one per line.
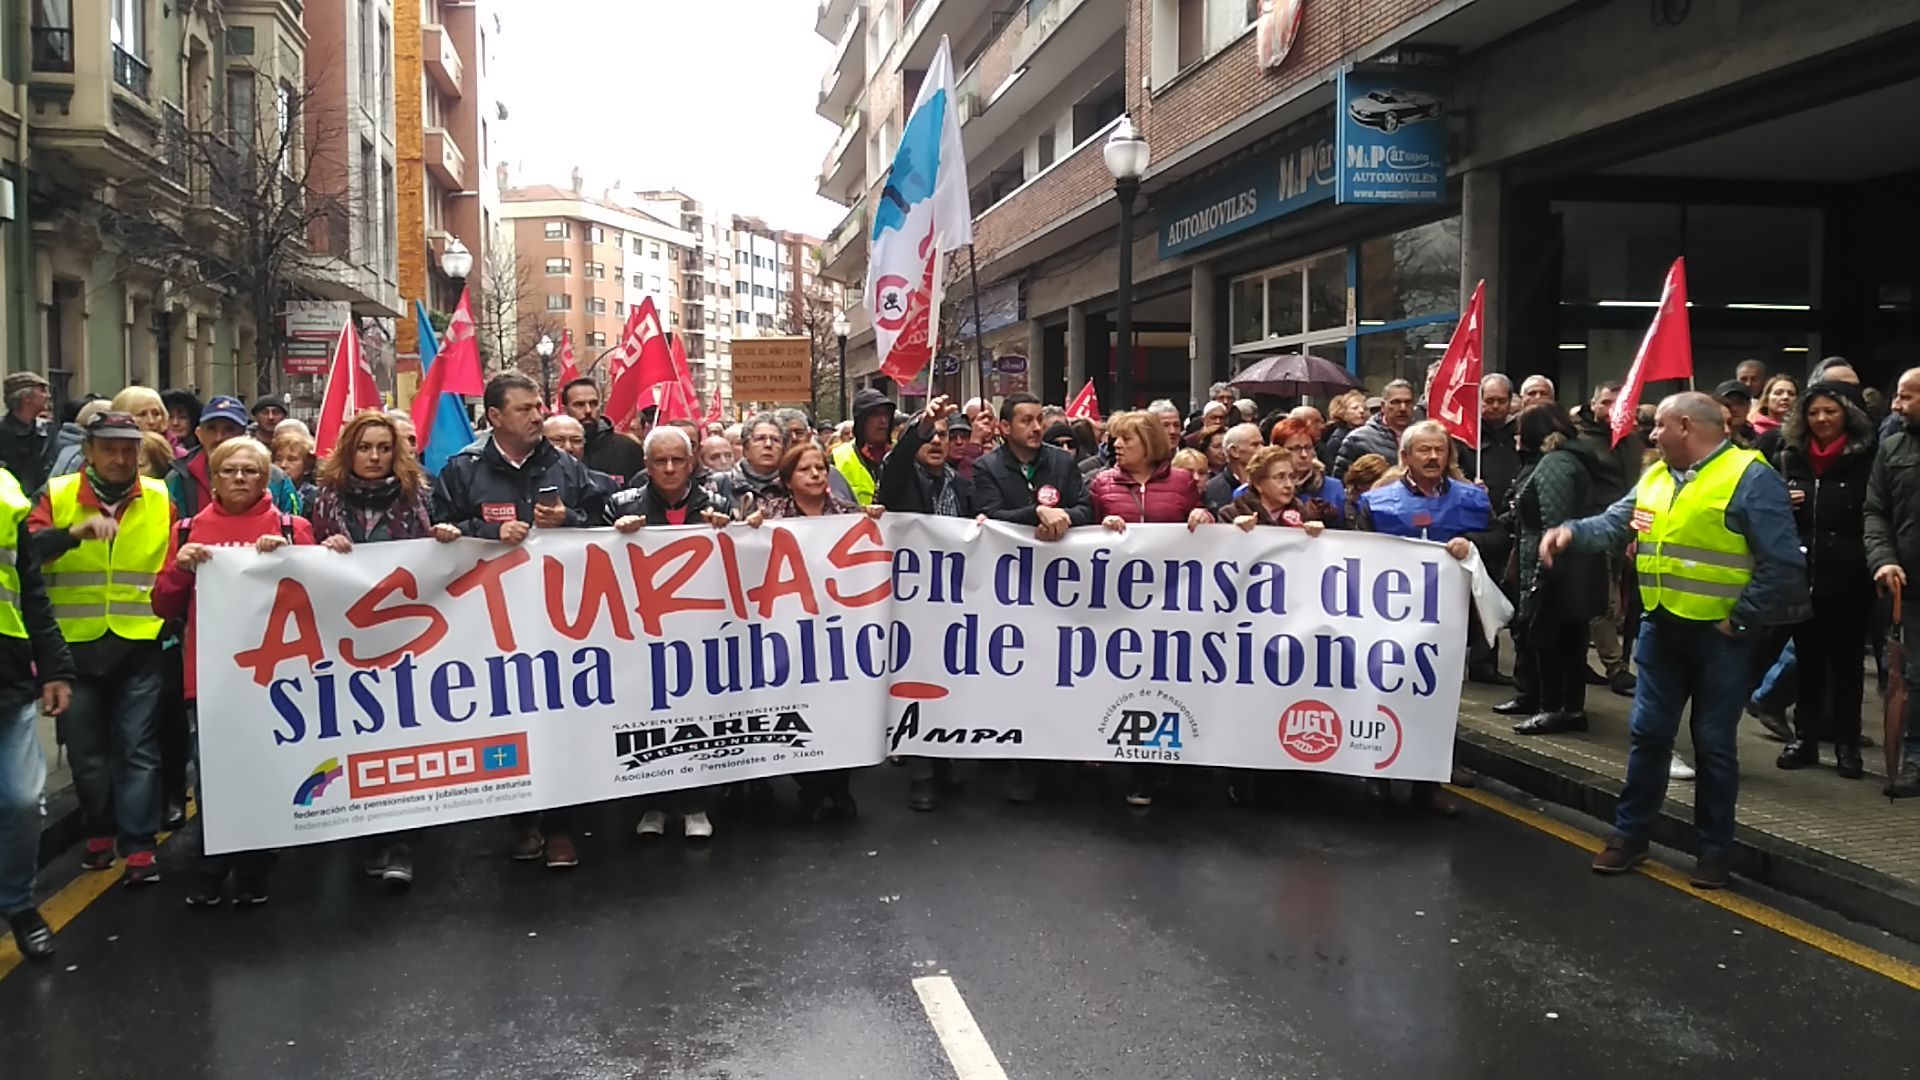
point(108, 494)
point(1823, 457)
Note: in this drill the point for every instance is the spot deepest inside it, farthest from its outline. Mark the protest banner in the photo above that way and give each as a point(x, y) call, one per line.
point(412, 684)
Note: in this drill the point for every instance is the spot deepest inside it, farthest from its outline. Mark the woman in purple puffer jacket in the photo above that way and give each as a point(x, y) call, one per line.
point(1143, 487)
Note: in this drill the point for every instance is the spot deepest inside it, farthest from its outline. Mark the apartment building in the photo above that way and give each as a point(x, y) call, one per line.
point(1564, 152)
point(351, 134)
point(588, 260)
point(704, 318)
point(148, 126)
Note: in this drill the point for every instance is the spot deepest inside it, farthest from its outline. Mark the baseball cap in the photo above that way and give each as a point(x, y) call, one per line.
point(227, 408)
point(1733, 388)
point(114, 425)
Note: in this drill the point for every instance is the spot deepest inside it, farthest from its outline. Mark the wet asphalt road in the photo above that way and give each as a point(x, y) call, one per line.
point(1324, 940)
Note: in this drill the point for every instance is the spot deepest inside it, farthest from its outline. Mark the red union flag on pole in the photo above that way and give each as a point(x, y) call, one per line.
point(568, 370)
point(349, 389)
point(921, 214)
point(1453, 399)
point(1085, 404)
point(649, 363)
point(1665, 353)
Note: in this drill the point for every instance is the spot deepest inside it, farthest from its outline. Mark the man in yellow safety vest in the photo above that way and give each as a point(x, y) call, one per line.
point(102, 536)
point(36, 675)
point(1719, 558)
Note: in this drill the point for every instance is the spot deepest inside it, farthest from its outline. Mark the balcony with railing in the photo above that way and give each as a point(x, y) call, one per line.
point(91, 100)
point(445, 163)
point(1035, 50)
point(846, 160)
point(131, 73)
point(53, 49)
point(841, 84)
point(176, 147)
point(929, 20)
point(828, 15)
point(440, 58)
point(845, 249)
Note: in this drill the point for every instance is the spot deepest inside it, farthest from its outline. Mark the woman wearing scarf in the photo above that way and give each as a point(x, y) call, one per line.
point(241, 512)
point(1826, 450)
point(370, 490)
point(803, 474)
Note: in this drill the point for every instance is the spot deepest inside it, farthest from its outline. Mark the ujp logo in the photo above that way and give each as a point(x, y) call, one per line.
point(1310, 731)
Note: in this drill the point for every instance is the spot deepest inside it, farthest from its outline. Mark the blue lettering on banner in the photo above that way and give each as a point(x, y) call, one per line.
point(1393, 136)
point(1267, 186)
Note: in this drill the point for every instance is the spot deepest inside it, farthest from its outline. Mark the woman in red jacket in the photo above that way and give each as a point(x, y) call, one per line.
point(241, 513)
point(1143, 487)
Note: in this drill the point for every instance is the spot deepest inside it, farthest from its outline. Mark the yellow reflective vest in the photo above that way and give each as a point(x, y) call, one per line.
point(14, 508)
point(846, 459)
point(1689, 562)
point(106, 586)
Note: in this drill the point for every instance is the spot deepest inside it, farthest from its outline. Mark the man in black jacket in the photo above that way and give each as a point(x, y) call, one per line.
point(1497, 463)
point(36, 674)
point(1617, 470)
point(492, 491)
point(1241, 440)
point(607, 450)
point(916, 478)
point(24, 432)
point(1025, 481)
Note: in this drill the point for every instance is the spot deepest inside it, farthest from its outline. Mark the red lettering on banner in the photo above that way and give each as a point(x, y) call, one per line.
point(366, 614)
point(486, 575)
point(730, 559)
point(600, 588)
point(784, 555)
point(844, 557)
point(658, 601)
point(291, 604)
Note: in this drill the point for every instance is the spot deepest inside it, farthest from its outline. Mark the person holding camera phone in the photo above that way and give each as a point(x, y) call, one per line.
point(501, 489)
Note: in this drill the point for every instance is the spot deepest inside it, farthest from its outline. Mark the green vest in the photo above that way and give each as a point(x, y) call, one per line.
point(846, 459)
point(101, 586)
point(1690, 563)
point(14, 508)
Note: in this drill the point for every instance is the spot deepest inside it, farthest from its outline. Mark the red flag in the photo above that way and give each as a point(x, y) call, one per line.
point(650, 363)
point(349, 389)
point(455, 370)
point(683, 374)
point(1665, 353)
point(568, 372)
point(1085, 404)
point(676, 403)
point(718, 412)
point(1453, 399)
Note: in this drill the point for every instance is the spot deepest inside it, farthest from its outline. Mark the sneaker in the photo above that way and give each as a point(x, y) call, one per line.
point(1620, 855)
point(699, 826)
point(560, 853)
point(142, 869)
point(1139, 800)
point(31, 933)
point(249, 890)
point(922, 795)
point(1622, 682)
point(1679, 770)
point(652, 823)
point(1710, 872)
point(209, 889)
point(1906, 783)
point(398, 873)
point(99, 854)
point(175, 817)
point(529, 845)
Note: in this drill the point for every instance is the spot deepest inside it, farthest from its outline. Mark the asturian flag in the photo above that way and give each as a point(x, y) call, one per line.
point(921, 214)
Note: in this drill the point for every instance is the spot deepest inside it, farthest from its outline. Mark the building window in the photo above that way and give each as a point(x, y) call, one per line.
point(726, 292)
point(596, 339)
point(1298, 303)
point(370, 226)
point(385, 88)
point(596, 305)
point(673, 319)
point(556, 267)
point(387, 222)
point(653, 252)
point(740, 318)
point(766, 322)
point(596, 270)
point(559, 230)
point(619, 307)
point(559, 302)
point(369, 85)
point(636, 246)
point(880, 35)
point(596, 235)
point(655, 282)
point(242, 119)
point(639, 281)
point(740, 287)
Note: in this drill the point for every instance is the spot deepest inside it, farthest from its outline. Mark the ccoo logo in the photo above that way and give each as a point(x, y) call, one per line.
point(1310, 731)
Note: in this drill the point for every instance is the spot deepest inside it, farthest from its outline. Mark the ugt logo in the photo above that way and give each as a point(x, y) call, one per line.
point(1139, 727)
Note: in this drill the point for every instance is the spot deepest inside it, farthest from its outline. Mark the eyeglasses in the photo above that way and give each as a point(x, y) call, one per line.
point(240, 472)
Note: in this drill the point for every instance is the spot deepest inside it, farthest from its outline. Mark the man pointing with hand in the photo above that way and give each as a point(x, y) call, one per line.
point(1719, 558)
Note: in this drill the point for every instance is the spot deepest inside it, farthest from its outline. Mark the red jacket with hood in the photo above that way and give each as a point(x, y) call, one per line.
point(1168, 496)
point(214, 527)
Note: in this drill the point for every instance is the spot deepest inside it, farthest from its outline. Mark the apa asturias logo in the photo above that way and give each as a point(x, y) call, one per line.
point(314, 786)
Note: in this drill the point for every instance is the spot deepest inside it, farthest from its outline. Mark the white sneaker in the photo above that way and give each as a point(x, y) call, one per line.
point(698, 827)
point(1679, 770)
point(652, 823)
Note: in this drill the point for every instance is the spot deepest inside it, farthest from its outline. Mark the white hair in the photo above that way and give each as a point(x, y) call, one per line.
point(1531, 379)
point(667, 433)
point(1397, 384)
point(1421, 430)
point(1212, 407)
point(1499, 378)
point(1243, 433)
point(1164, 406)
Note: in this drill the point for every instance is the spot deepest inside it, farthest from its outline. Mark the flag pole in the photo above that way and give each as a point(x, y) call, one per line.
point(979, 335)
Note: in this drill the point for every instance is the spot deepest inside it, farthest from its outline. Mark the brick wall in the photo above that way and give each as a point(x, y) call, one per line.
point(1188, 109)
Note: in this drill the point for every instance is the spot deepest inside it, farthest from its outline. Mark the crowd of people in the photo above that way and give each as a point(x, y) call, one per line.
point(117, 503)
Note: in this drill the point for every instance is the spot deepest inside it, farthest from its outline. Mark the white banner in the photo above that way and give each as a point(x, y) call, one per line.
point(413, 684)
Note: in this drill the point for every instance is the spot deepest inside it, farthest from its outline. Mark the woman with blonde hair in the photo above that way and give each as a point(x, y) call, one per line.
point(144, 405)
point(293, 455)
point(1344, 413)
point(156, 455)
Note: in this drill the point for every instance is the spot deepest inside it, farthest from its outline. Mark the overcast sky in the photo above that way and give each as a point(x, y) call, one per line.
point(714, 97)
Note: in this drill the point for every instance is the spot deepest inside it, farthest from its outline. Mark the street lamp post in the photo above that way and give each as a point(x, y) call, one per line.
point(1126, 154)
point(544, 347)
point(457, 261)
point(840, 331)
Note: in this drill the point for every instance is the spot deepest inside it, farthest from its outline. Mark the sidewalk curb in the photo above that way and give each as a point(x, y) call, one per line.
point(1849, 889)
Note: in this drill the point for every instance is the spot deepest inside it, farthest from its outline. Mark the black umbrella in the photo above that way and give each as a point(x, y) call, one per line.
point(1292, 374)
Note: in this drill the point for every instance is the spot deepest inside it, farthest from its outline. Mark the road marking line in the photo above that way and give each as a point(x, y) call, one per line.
point(66, 905)
point(1900, 971)
point(966, 1048)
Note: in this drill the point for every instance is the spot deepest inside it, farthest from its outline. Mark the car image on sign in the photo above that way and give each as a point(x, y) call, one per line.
point(1387, 110)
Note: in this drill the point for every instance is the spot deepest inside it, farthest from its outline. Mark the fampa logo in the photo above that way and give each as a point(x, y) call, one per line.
point(315, 785)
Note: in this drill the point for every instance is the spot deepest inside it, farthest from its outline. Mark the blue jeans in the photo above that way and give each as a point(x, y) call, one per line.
point(113, 743)
point(1782, 683)
point(23, 778)
point(1681, 660)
